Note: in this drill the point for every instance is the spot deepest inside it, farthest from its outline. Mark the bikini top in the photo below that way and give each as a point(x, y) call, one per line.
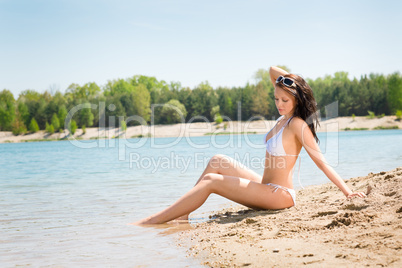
point(275, 145)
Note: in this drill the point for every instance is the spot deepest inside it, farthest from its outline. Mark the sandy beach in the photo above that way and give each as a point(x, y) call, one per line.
point(203, 128)
point(324, 229)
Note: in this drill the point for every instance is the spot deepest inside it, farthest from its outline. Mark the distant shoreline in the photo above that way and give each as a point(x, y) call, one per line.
point(202, 129)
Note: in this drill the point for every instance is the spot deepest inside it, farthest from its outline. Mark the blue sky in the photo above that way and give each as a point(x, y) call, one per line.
point(53, 43)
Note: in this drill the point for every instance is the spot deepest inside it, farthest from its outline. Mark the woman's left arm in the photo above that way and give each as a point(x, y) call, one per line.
point(306, 138)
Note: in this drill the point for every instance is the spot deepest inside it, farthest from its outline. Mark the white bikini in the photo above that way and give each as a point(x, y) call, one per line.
point(274, 147)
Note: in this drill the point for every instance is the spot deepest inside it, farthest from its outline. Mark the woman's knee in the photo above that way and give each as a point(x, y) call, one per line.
point(219, 161)
point(211, 180)
point(210, 177)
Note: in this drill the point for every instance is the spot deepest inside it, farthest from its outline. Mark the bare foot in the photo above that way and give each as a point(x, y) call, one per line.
point(142, 222)
point(182, 218)
point(150, 220)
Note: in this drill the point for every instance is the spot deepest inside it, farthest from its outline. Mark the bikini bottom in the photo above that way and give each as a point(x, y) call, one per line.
point(290, 191)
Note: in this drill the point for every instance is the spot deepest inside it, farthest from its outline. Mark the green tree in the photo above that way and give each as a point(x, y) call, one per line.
point(259, 100)
point(378, 91)
point(246, 101)
point(118, 87)
point(218, 118)
point(86, 115)
point(228, 107)
point(184, 96)
point(55, 122)
point(398, 114)
point(203, 99)
point(85, 92)
point(173, 112)
point(114, 111)
point(98, 111)
point(33, 126)
point(90, 90)
point(18, 126)
point(371, 115)
point(142, 102)
point(7, 109)
point(41, 113)
point(395, 92)
point(215, 110)
point(123, 126)
point(49, 128)
point(31, 100)
point(262, 75)
point(158, 90)
point(23, 112)
point(72, 126)
point(137, 103)
point(62, 113)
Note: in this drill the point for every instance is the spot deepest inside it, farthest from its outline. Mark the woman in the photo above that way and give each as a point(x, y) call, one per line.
point(296, 128)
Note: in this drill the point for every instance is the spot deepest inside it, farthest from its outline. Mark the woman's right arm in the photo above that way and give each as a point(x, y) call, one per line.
point(275, 72)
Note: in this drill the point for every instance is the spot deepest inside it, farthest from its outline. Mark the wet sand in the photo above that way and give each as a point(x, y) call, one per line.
point(324, 229)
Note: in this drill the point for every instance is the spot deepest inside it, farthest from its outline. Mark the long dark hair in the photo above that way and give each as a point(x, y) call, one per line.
point(306, 106)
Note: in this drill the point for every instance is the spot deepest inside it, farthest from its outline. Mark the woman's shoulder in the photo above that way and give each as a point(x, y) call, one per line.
point(296, 120)
point(297, 124)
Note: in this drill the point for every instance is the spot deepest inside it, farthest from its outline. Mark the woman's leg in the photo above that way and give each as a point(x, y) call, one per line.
point(225, 165)
point(243, 191)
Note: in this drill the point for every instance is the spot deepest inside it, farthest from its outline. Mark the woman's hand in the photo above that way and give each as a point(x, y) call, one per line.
point(359, 194)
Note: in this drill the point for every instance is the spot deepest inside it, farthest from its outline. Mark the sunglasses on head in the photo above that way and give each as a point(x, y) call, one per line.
point(286, 81)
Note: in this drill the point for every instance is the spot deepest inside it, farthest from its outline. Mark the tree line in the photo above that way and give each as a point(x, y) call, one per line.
point(159, 102)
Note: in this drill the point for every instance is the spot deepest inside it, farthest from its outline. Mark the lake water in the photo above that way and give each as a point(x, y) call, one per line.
point(68, 204)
